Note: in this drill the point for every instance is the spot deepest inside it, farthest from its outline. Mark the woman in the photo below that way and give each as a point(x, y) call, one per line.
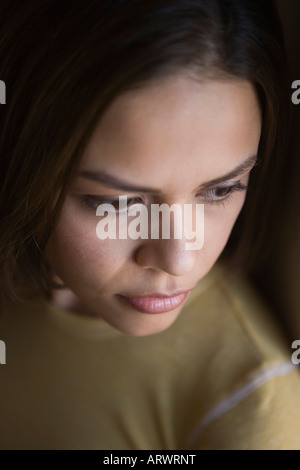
point(138, 342)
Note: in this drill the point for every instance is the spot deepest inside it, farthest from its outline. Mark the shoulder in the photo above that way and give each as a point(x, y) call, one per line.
point(252, 386)
point(262, 413)
point(232, 312)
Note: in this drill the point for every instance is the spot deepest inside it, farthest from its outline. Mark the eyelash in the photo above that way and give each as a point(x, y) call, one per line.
point(92, 202)
point(231, 189)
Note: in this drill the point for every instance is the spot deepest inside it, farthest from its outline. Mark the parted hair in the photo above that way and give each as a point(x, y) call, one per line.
point(64, 62)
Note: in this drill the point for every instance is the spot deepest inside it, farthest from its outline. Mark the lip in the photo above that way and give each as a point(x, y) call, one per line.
point(155, 302)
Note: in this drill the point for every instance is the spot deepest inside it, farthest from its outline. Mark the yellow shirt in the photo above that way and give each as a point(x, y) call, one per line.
point(219, 378)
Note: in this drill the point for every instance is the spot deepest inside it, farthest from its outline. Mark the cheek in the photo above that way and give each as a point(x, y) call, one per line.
point(219, 222)
point(75, 252)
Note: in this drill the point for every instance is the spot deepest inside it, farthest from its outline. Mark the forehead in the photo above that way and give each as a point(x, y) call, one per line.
point(176, 127)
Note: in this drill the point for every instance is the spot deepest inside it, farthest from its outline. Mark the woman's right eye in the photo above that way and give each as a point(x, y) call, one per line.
point(93, 202)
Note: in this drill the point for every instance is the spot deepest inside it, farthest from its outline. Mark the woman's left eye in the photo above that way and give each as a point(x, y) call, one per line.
point(221, 193)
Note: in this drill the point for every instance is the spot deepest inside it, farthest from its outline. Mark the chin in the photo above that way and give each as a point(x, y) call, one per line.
point(147, 326)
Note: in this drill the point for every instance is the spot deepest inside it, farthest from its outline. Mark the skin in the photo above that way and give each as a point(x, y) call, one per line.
point(174, 136)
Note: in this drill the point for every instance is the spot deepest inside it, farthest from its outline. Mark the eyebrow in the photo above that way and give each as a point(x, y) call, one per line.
point(114, 182)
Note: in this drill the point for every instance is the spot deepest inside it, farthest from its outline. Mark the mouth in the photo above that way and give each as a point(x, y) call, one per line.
point(155, 302)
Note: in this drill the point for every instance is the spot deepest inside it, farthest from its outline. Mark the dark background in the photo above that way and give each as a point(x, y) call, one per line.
point(279, 278)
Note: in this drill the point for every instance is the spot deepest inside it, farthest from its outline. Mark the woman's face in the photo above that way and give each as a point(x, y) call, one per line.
point(176, 141)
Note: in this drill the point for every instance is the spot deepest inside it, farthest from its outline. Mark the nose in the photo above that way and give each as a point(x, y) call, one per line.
point(170, 256)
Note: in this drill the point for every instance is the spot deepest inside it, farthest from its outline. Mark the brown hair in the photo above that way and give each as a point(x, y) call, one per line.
point(63, 64)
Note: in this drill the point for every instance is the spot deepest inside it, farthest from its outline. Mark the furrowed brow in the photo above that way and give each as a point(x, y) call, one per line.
point(114, 182)
point(244, 167)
